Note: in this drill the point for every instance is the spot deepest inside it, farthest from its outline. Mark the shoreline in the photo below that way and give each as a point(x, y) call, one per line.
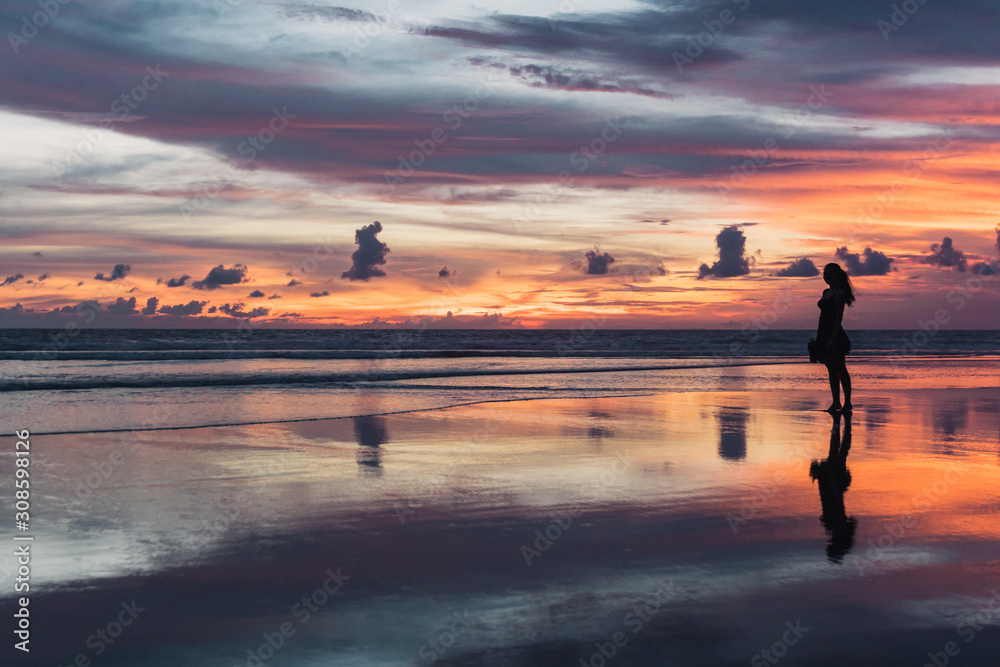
point(815, 380)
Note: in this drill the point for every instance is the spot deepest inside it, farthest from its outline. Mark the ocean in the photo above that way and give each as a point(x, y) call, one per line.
point(66, 381)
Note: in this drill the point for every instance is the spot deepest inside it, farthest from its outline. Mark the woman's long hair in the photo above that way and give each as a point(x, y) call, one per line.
point(841, 280)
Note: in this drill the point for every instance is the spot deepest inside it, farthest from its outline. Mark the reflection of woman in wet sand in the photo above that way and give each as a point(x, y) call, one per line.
point(834, 478)
point(831, 339)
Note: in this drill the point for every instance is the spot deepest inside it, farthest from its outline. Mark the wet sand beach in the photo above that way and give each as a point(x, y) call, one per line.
point(699, 528)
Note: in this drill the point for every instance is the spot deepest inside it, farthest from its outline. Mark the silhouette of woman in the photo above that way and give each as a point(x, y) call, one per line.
point(833, 479)
point(831, 339)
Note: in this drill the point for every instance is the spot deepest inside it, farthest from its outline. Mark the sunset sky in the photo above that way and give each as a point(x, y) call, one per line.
point(642, 164)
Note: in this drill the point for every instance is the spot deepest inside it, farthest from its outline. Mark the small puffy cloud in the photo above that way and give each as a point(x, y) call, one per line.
point(319, 294)
point(800, 268)
point(273, 296)
point(122, 307)
point(445, 272)
point(220, 275)
point(236, 310)
point(990, 268)
point(190, 308)
point(42, 277)
point(88, 307)
point(733, 260)
point(945, 254)
point(598, 263)
point(369, 256)
point(37, 253)
point(117, 273)
point(294, 282)
point(595, 263)
point(176, 282)
point(12, 279)
point(256, 294)
point(869, 263)
point(151, 305)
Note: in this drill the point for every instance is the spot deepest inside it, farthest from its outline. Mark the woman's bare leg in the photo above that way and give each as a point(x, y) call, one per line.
point(831, 368)
point(845, 379)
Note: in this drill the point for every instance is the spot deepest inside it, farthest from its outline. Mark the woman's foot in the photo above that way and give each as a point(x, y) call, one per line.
point(836, 407)
point(847, 408)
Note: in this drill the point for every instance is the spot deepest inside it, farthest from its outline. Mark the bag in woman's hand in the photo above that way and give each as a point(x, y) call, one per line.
point(814, 352)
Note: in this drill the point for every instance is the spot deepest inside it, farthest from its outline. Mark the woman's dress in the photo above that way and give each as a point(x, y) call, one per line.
point(827, 317)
